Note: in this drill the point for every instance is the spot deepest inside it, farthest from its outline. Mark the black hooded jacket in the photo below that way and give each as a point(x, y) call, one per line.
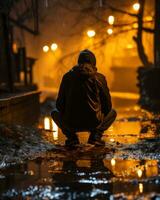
point(83, 98)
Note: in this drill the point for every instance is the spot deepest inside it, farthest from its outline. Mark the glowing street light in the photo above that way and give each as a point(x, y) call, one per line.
point(54, 47)
point(45, 48)
point(109, 31)
point(111, 20)
point(91, 33)
point(136, 6)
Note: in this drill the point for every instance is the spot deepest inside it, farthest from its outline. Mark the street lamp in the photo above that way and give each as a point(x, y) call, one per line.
point(109, 31)
point(45, 48)
point(111, 20)
point(91, 33)
point(54, 47)
point(136, 6)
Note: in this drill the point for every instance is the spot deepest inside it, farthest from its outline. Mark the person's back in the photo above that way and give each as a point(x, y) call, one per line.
point(83, 100)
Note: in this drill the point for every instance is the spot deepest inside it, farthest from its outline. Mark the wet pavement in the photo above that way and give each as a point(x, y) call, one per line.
point(128, 167)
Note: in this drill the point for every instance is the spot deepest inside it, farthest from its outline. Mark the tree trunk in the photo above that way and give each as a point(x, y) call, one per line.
point(138, 39)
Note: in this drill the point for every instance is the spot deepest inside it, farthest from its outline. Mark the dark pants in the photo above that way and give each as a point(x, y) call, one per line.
point(96, 132)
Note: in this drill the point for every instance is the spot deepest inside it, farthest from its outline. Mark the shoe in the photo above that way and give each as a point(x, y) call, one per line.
point(96, 140)
point(71, 142)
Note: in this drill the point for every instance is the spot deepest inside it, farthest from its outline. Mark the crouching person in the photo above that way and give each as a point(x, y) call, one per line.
point(84, 102)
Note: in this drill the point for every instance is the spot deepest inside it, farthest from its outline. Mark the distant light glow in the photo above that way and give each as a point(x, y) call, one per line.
point(148, 18)
point(129, 46)
point(135, 25)
point(139, 173)
point(111, 20)
point(91, 33)
point(125, 95)
point(54, 47)
point(45, 48)
point(110, 31)
point(112, 140)
point(136, 6)
point(113, 162)
point(14, 47)
point(46, 123)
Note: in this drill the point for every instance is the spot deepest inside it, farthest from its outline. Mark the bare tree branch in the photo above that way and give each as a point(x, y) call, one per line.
point(148, 30)
point(120, 10)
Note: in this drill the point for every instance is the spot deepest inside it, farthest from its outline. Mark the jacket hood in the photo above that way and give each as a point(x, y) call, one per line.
point(86, 56)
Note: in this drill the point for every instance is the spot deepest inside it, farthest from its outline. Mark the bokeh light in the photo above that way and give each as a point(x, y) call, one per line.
point(111, 20)
point(91, 33)
point(110, 31)
point(54, 47)
point(45, 48)
point(136, 6)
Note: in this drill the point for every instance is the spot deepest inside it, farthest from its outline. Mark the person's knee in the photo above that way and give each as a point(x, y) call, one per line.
point(55, 114)
point(114, 113)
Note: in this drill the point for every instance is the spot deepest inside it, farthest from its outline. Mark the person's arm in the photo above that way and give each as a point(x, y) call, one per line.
point(105, 97)
point(60, 102)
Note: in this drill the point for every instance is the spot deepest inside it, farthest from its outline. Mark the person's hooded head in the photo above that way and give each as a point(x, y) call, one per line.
point(87, 57)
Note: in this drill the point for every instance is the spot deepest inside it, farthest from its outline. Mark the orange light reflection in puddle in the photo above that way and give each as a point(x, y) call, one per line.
point(140, 185)
point(83, 163)
point(50, 125)
point(132, 168)
point(126, 132)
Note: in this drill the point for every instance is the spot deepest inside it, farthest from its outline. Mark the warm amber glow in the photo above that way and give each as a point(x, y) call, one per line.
point(46, 123)
point(136, 6)
point(139, 173)
point(14, 47)
point(125, 95)
point(129, 46)
point(113, 162)
point(110, 31)
point(54, 47)
point(45, 48)
point(91, 33)
point(148, 18)
point(55, 130)
point(135, 25)
point(112, 140)
point(140, 187)
point(111, 20)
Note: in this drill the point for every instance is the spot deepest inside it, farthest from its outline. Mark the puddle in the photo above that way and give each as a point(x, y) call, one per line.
point(63, 178)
